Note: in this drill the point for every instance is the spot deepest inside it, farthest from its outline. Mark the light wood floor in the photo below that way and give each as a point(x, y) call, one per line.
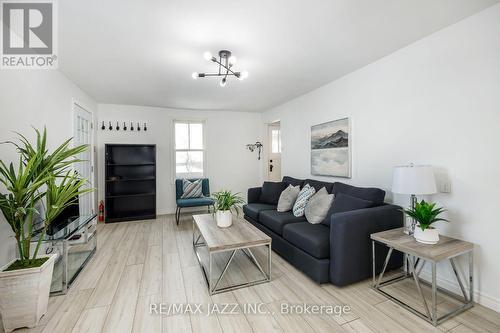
point(139, 263)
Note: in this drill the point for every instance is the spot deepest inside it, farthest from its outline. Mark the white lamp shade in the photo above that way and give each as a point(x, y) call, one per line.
point(414, 179)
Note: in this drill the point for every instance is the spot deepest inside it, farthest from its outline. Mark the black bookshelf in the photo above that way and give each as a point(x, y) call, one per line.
point(130, 180)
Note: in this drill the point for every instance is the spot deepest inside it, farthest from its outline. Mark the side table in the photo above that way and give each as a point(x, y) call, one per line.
point(415, 253)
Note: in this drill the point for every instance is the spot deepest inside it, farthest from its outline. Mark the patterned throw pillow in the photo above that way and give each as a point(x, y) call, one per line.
point(300, 204)
point(191, 189)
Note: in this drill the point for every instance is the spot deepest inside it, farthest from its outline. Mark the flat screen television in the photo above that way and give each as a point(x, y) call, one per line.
point(68, 215)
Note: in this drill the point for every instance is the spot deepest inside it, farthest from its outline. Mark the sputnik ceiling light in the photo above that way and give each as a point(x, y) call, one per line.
point(225, 61)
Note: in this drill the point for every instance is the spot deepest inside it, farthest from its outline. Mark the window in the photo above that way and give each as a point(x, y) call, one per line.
point(189, 149)
point(276, 141)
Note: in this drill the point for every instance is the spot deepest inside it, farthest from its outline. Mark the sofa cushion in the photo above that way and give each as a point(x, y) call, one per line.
point(271, 191)
point(195, 202)
point(312, 238)
point(253, 209)
point(344, 203)
point(253, 194)
point(287, 198)
point(374, 195)
point(318, 185)
point(275, 220)
point(293, 181)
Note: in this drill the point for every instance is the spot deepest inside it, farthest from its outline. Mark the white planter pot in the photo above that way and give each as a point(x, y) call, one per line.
point(224, 218)
point(24, 294)
point(427, 236)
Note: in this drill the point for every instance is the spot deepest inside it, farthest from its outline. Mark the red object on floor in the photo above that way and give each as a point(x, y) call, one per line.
point(101, 211)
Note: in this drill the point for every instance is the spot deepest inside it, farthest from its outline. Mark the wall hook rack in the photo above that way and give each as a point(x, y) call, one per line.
point(137, 126)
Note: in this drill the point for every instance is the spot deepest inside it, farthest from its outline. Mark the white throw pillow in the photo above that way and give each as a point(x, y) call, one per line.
point(287, 198)
point(318, 206)
point(301, 202)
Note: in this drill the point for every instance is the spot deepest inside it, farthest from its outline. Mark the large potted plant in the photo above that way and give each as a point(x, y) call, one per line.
point(225, 201)
point(40, 178)
point(426, 214)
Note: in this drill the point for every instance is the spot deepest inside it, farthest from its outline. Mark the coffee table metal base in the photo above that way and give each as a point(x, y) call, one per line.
point(198, 242)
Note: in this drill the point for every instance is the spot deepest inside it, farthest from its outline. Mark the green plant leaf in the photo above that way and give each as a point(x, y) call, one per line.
point(425, 214)
point(40, 175)
point(226, 200)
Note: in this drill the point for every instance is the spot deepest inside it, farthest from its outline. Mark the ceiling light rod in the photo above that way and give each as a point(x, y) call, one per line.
point(226, 55)
point(237, 74)
point(223, 55)
point(226, 61)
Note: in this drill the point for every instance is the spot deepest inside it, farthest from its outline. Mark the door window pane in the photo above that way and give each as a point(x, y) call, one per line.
point(276, 141)
point(189, 163)
point(181, 164)
point(181, 136)
point(195, 136)
point(195, 162)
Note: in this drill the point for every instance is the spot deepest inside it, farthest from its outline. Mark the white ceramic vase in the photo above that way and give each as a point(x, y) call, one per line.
point(24, 294)
point(224, 218)
point(427, 236)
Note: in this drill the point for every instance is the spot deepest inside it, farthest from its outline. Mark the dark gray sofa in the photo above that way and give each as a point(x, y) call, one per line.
point(339, 249)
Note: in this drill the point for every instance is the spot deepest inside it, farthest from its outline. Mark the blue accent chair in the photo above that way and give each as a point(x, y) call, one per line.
point(192, 202)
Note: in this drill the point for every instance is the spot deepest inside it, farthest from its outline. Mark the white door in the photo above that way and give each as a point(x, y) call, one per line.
point(274, 162)
point(83, 135)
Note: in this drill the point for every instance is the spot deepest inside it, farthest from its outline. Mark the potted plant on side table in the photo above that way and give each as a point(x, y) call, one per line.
point(225, 201)
point(41, 178)
point(425, 214)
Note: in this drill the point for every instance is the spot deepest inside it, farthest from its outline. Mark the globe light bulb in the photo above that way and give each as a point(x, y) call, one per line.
point(207, 55)
point(223, 82)
point(194, 75)
point(232, 60)
point(243, 75)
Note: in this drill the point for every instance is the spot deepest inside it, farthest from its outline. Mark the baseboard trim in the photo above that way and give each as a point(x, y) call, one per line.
point(187, 210)
point(480, 297)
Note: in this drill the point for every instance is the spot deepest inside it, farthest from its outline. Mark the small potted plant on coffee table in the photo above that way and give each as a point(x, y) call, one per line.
point(40, 178)
point(425, 214)
point(225, 202)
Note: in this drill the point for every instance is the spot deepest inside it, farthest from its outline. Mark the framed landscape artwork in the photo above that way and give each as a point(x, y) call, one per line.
point(331, 149)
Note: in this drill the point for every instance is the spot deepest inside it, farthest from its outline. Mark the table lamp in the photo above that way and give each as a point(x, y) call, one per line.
point(413, 180)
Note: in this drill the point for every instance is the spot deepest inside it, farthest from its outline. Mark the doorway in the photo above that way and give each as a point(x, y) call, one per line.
point(83, 134)
point(274, 158)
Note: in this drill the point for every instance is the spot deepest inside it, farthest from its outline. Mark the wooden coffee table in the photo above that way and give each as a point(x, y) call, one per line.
point(241, 236)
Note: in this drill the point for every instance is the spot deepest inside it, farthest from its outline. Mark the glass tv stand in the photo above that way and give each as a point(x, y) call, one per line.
point(75, 244)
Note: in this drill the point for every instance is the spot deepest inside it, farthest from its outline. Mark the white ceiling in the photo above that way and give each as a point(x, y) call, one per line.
point(143, 52)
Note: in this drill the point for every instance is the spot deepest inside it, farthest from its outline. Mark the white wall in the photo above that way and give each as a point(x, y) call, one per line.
point(229, 164)
point(434, 102)
point(34, 98)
